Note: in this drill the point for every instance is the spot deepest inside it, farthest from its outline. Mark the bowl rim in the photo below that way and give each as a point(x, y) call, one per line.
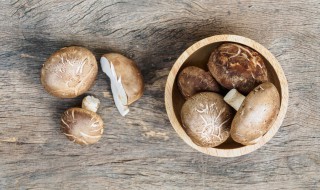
point(217, 39)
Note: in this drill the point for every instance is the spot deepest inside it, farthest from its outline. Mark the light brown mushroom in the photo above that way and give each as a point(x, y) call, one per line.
point(69, 72)
point(126, 80)
point(83, 126)
point(192, 80)
point(237, 66)
point(207, 119)
point(255, 113)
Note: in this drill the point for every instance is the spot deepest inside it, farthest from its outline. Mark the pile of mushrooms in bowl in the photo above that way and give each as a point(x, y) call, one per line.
point(226, 95)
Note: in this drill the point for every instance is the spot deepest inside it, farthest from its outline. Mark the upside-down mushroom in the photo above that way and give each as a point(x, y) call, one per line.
point(255, 113)
point(126, 80)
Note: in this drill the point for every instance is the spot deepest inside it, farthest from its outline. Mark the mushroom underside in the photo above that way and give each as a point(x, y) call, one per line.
point(118, 91)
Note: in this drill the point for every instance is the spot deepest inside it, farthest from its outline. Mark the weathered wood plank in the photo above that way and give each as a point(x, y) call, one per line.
point(142, 151)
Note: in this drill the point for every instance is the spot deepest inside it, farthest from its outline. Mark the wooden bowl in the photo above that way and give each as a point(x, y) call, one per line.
point(198, 55)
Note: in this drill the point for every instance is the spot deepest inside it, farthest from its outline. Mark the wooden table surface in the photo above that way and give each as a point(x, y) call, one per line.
point(141, 150)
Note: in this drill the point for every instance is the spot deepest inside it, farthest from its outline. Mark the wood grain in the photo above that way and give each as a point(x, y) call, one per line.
point(142, 150)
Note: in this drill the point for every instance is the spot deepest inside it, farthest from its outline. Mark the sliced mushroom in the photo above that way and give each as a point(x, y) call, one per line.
point(69, 72)
point(192, 80)
point(126, 80)
point(237, 66)
point(207, 119)
point(255, 113)
point(81, 125)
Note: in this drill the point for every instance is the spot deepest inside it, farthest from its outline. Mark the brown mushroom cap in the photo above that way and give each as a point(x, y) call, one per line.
point(207, 119)
point(237, 66)
point(131, 77)
point(192, 80)
point(256, 114)
point(69, 72)
point(82, 126)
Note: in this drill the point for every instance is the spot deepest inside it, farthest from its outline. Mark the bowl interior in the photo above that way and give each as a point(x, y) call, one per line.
point(200, 58)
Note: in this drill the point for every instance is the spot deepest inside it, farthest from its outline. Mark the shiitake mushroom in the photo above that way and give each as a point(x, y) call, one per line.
point(207, 119)
point(126, 80)
point(69, 72)
point(237, 66)
point(255, 113)
point(192, 80)
point(82, 125)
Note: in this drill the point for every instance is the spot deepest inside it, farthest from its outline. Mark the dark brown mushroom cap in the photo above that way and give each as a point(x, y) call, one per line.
point(237, 66)
point(207, 119)
point(69, 72)
point(256, 114)
point(192, 80)
point(82, 126)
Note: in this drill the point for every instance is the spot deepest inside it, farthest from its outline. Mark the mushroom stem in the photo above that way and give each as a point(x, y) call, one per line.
point(234, 99)
point(91, 103)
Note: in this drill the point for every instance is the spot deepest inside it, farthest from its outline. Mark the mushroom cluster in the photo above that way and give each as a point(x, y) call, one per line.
point(71, 71)
point(209, 118)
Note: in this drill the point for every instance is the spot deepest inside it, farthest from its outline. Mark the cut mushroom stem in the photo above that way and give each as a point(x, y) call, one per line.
point(234, 99)
point(90, 103)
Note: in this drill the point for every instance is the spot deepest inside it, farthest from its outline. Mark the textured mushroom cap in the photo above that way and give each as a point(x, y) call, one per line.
point(69, 72)
point(207, 119)
point(130, 74)
point(256, 114)
point(237, 66)
point(82, 126)
point(192, 80)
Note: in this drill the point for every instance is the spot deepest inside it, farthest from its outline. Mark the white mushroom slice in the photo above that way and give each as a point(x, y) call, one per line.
point(118, 86)
point(123, 109)
point(105, 65)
